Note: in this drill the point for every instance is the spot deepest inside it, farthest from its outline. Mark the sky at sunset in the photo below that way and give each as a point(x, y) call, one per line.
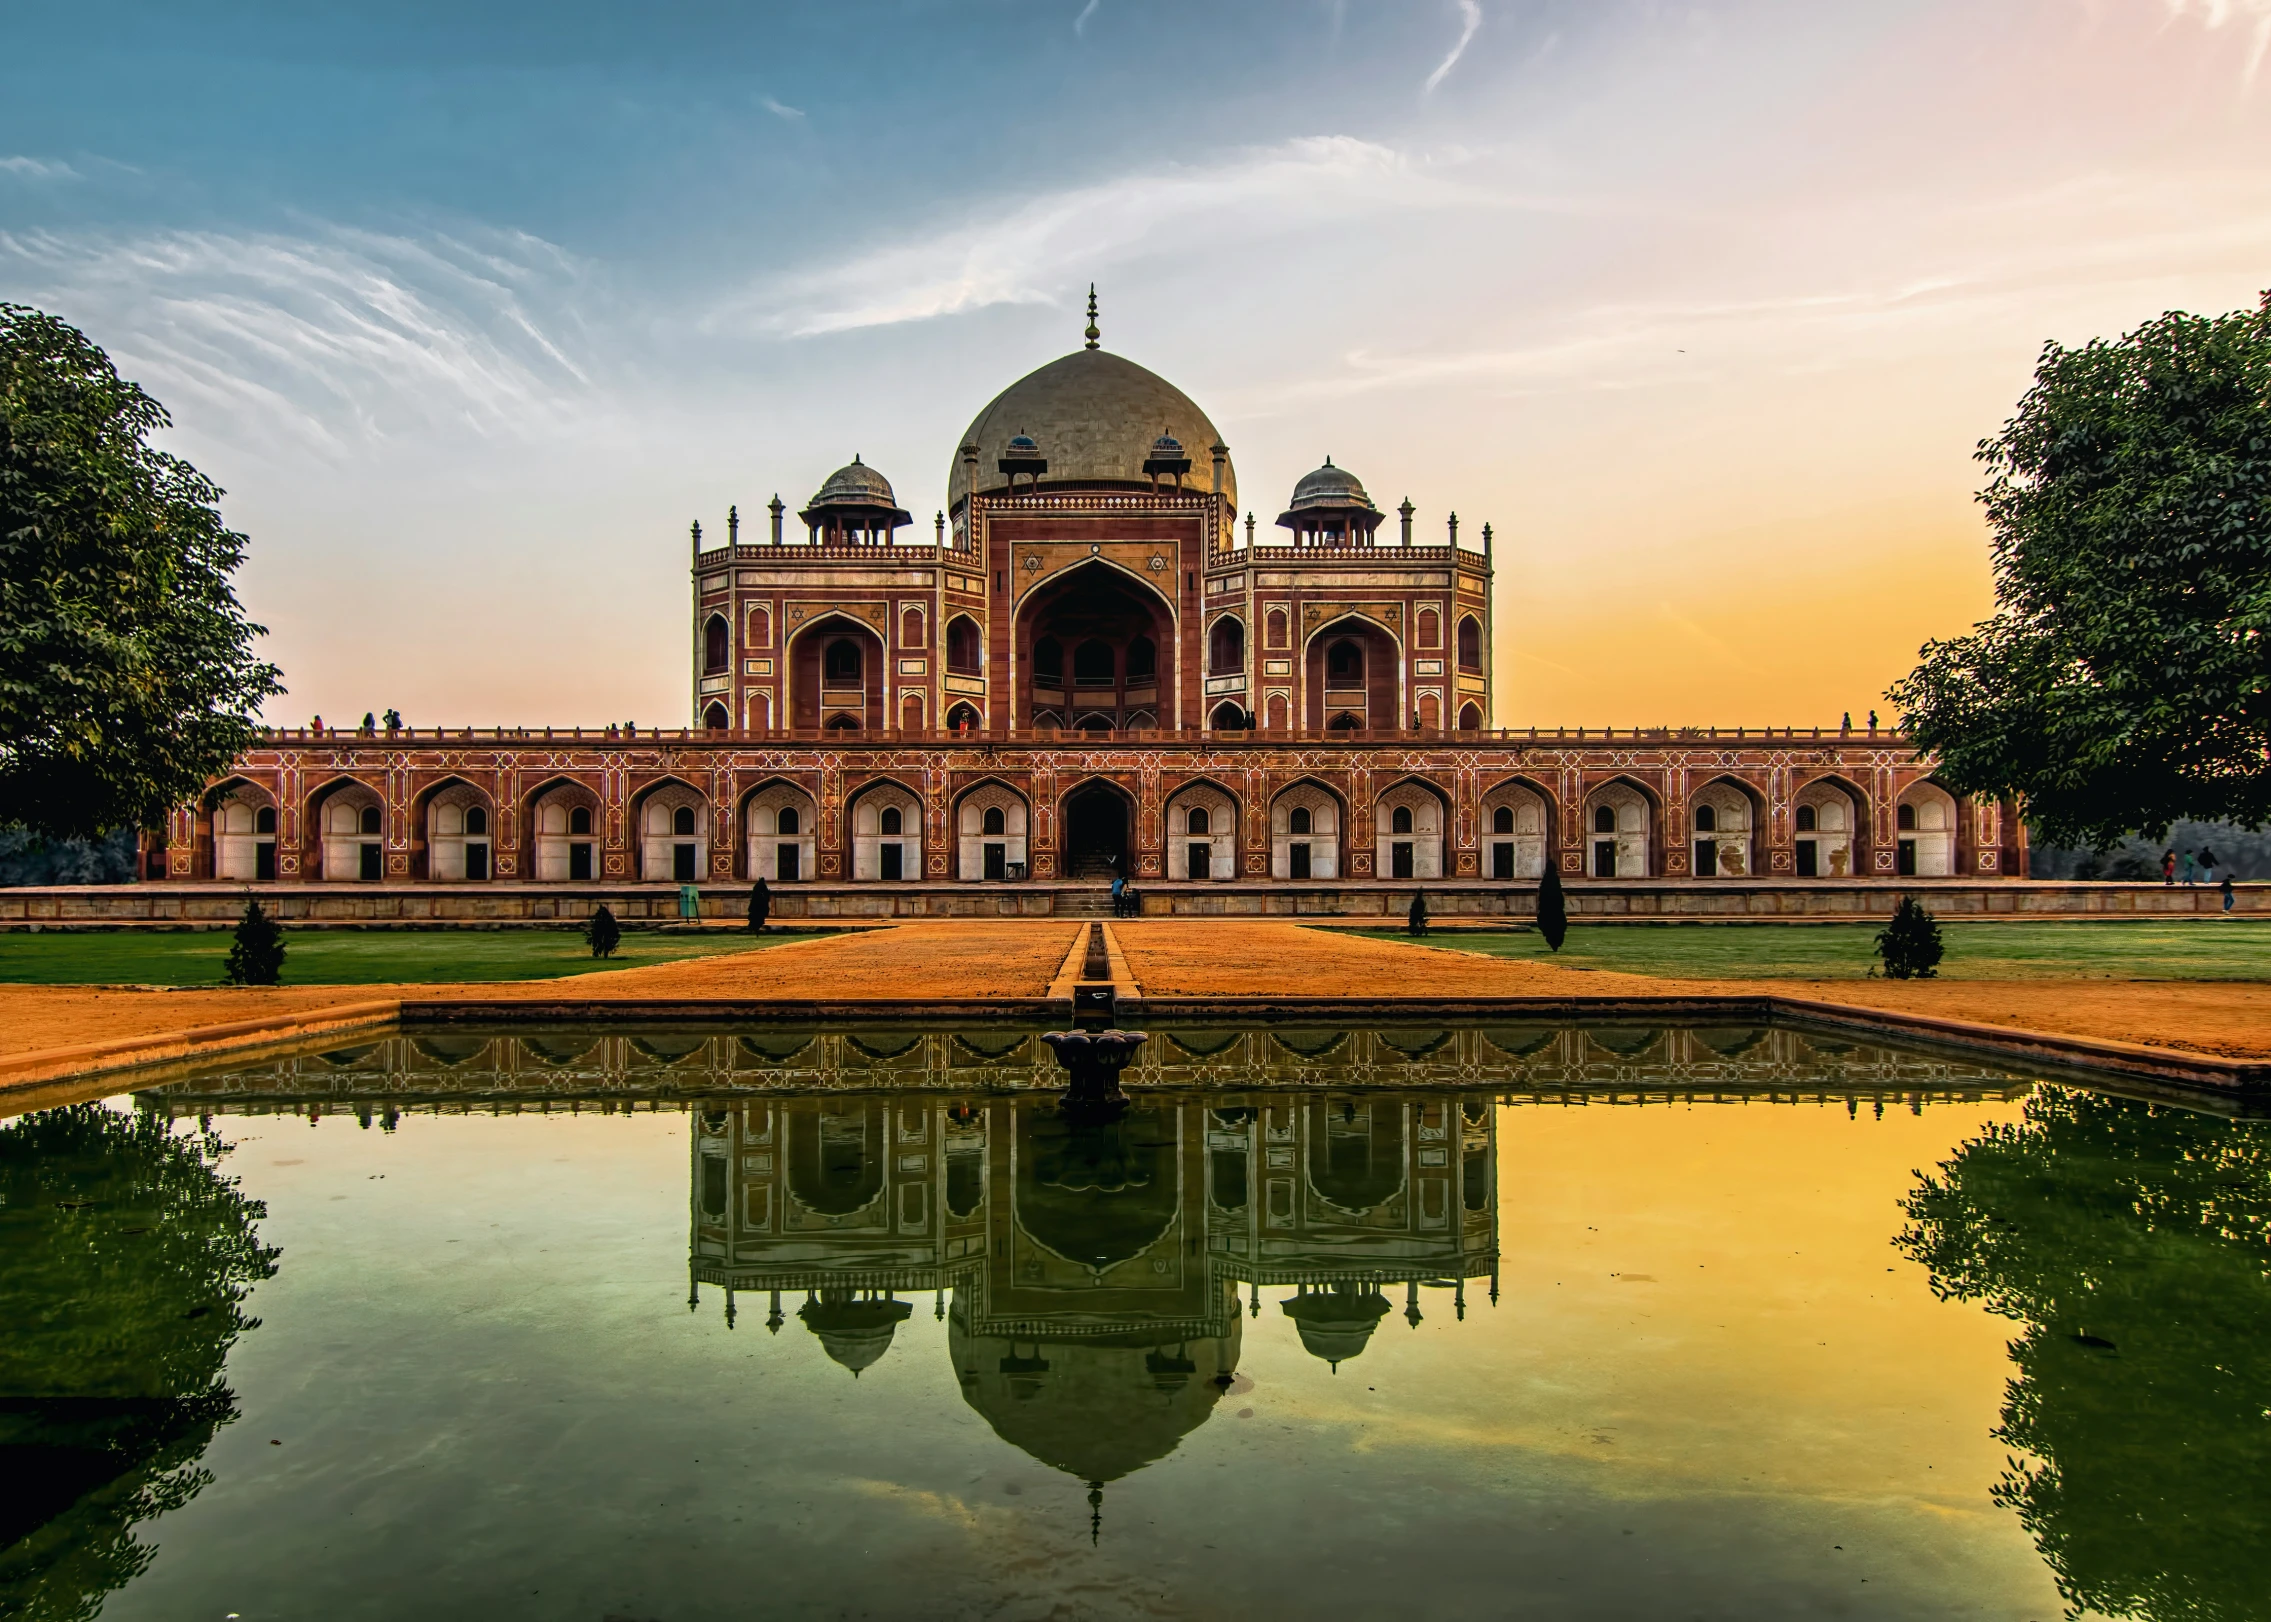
point(1703, 307)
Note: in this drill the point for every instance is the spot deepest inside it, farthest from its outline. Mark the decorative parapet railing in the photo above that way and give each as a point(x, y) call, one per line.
point(1054, 737)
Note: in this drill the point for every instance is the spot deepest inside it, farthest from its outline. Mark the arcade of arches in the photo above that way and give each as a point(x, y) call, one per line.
point(1207, 815)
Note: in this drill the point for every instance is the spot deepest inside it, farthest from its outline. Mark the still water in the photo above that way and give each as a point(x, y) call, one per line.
point(1528, 1322)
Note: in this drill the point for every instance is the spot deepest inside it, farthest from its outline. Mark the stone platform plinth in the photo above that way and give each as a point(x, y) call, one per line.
point(411, 905)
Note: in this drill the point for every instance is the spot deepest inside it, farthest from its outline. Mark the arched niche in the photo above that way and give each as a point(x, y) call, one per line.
point(1723, 823)
point(887, 833)
point(1201, 835)
point(1828, 829)
point(1616, 825)
point(836, 673)
point(566, 833)
point(1354, 668)
point(244, 832)
point(1305, 832)
point(459, 823)
point(991, 821)
point(779, 833)
point(673, 822)
point(350, 821)
point(1924, 832)
point(1409, 825)
point(1108, 636)
point(1517, 823)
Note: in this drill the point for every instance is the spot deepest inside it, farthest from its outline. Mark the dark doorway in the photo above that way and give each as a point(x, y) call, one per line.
point(682, 863)
point(1399, 859)
point(1202, 859)
point(1604, 858)
point(785, 863)
point(477, 861)
point(1297, 861)
point(1502, 860)
point(1907, 855)
point(1707, 858)
point(891, 868)
point(372, 870)
point(579, 862)
point(997, 863)
point(1096, 833)
point(1809, 859)
point(264, 859)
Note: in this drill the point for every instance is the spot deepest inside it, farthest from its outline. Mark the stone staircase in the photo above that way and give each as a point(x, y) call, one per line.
point(1084, 903)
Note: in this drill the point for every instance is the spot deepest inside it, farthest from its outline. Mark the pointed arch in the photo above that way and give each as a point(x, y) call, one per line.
point(453, 826)
point(988, 847)
point(1830, 827)
point(1411, 830)
point(1519, 821)
point(1201, 836)
point(563, 823)
point(778, 819)
point(1308, 822)
point(672, 822)
point(1726, 825)
point(717, 646)
point(346, 825)
point(886, 817)
point(238, 827)
point(1618, 822)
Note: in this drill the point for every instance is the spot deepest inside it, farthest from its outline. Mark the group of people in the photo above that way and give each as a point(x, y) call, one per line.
point(1125, 902)
point(2195, 869)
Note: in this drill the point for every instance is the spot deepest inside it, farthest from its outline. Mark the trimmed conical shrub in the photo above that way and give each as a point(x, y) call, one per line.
point(603, 933)
point(1910, 945)
point(256, 955)
point(1553, 911)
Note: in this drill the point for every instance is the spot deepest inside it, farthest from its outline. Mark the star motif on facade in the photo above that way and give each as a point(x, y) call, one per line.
point(1157, 563)
point(1032, 562)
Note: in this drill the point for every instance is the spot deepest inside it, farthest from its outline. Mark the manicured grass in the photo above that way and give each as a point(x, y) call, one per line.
point(2206, 949)
point(343, 957)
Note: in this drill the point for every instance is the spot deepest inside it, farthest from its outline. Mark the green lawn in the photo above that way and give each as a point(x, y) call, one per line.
point(340, 957)
point(2206, 949)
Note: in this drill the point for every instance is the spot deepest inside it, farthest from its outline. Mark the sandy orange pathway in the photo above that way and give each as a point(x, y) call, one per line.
point(1173, 957)
point(2230, 1018)
point(960, 959)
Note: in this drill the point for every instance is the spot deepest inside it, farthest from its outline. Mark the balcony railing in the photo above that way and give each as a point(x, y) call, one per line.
point(1058, 737)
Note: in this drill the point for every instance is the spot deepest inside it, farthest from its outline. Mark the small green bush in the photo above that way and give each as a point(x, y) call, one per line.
point(1910, 945)
point(1553, 911)
point(603, 933)
point(256, 955)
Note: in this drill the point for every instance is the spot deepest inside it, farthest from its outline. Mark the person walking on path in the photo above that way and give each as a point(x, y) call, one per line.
point(1119, 892)
point(2227, 889)
point(2168, 867)
point(2207, 865)
point(760, 903)
point(2191, 876)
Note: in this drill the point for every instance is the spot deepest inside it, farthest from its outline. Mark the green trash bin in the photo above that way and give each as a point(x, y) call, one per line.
point(689, 901)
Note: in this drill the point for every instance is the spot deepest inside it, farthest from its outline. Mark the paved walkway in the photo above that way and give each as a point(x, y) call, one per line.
point(48, 1031)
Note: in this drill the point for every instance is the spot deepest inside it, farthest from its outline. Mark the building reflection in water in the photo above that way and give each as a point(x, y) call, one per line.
point(1094, 1277)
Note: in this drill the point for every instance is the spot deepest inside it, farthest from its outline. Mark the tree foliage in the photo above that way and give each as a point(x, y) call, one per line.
point(602, 933)
point(2134, 1245)
point(127, 678)
point(256, 954)
point(1909, 945)
point(2125, 680)
point(125, 1261)
point(1553, 908)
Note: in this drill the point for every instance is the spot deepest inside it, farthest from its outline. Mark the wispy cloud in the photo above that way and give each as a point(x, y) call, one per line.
point(1470, 19)
point(781, 109)
point(2254, 15)
point(1080, 23)
point(1029, 252)
point(326, 341)
point(38, 168)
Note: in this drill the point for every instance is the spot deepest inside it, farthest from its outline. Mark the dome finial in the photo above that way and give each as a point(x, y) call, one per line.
point(1091, 334)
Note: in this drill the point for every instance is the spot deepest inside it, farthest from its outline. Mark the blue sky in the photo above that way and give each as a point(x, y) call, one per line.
point(473, 308)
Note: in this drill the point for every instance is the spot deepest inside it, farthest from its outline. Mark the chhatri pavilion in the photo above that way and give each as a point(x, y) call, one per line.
point(1094, 663)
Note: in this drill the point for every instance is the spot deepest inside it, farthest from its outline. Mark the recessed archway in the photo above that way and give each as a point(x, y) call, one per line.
point(1098, 826)
point(836, 669)
point(1354, 667)
point(1095, 642)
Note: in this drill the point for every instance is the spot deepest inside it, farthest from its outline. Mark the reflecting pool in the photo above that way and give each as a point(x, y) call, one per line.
point(1480, 1321)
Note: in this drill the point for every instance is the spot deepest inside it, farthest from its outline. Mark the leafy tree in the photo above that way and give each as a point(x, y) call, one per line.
point(127, 678)
point(603, 933)
point(1553, 909)
point(1910, 945)
point(2125, 680)
point(256, 956)
point(125, 1261)
point(2133, 1243)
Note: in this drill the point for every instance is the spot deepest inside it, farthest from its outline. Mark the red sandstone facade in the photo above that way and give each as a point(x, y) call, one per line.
point(1091, 667)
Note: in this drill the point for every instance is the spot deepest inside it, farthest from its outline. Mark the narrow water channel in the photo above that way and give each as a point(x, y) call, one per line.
point(1535, 1322)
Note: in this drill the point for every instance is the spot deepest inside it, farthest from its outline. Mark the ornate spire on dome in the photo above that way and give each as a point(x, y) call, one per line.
point(1167, 458)
point(1091, 334)
point(1022, 456)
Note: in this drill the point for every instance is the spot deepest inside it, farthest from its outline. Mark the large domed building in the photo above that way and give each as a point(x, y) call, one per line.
point(1091, 661)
